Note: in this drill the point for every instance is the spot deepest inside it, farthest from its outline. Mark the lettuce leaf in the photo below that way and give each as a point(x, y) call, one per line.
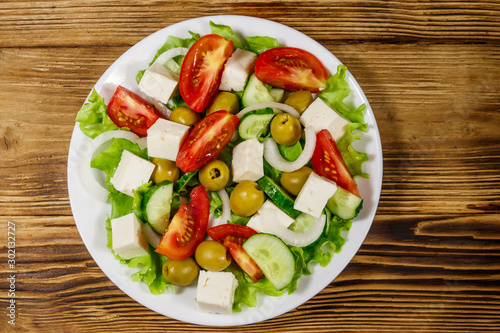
point(352, 158)
point(259, 44)
point(108, 160)
point(215, 203)
point(93, 117)
point(226, 32)
point(247, 290)
point(149, 266)
point(337, 89)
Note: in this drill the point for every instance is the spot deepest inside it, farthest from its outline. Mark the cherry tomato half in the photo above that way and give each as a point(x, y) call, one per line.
point(187, 228)
point(127, 109)
point(201, 70)
point(328, 162)
point(291, 69)
point(206, 139)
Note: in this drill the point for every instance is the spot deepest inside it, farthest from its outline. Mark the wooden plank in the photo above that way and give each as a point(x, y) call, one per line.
point(97, 22)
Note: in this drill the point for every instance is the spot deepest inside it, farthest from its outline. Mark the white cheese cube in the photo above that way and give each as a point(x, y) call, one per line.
point(165, 138)
point(215, 293)
point(132, 172)
point(159, 83)
point(320, 116)
point(237, 69)
point(248, 161)
point(314, 194)
point(127, 238)
point(269, 217)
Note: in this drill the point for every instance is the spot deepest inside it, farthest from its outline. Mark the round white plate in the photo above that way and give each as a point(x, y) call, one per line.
point(90, 214)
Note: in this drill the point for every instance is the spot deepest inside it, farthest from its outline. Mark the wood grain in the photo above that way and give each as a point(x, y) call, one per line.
point(431, 71)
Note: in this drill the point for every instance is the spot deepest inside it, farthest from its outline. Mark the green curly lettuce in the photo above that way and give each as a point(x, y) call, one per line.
point(93, 117)
point(337, 89)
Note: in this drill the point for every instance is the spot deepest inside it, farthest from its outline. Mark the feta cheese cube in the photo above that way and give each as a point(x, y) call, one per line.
point(248, 161)
point(215, 291)
point(238, 67)
point(320, 116)
point(314, 194)
point(269, 218)
point(127, 238)
point(165, 138)
point(132, 172)
point(159, 83)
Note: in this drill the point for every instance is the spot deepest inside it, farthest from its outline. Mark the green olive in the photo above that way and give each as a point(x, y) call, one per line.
point(181, 272)
point(165, 170)
point(224, 101)
point(185, 116)
point(294, 181)
point(212, 256)
point(214, 175)
point(246, 199)
point(300, 100)
point(286, 129)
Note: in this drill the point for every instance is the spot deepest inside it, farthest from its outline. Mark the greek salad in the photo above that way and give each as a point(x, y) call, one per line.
point(229, 167)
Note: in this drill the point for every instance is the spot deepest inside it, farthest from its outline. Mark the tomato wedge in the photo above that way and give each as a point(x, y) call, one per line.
point(241, 257)
point(206, 139)
point(202, 68)
point(127, 109)
point(233, 236)
point(328, 162)
point(220, 232)
point(187, 228)
point(291, 69)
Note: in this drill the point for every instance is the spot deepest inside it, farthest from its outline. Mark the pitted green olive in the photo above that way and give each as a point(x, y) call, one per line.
point(286, 129)
point(185, 116)
point(181, 272)
point(300, 100)
point(224, 101)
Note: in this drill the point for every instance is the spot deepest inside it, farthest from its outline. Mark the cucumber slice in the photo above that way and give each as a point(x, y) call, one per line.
point(156, 205)
point(278, 196)
point(254, 126)
point(277, 94)
point(255, 92)
point(344, 204)
point(305, 231)
point(273, 257)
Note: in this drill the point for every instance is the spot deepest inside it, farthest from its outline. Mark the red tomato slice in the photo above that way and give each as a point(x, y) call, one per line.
point(328, 162)
point(220, 232)
point(187, 228)
point(201, 70)
point(205, 141)
point(241, 257)
point(127, 109)
point(291, 69)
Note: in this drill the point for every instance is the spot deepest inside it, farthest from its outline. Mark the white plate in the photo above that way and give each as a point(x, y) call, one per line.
point(90, 214)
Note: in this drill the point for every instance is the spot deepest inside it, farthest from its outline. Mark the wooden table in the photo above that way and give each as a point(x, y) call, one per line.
point(431, 71)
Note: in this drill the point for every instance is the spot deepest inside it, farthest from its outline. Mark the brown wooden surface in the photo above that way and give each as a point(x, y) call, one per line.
point(431, 71)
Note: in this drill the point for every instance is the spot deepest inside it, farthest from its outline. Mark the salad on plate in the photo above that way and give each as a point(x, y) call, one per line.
point(229, 167)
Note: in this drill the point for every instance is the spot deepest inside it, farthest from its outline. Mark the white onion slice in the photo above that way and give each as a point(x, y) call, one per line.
point(162, 108)
point(169, 54)
point(151, 236)
point(273, 156)
point(94, 186)
point(226, 211)
point(281, 106)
